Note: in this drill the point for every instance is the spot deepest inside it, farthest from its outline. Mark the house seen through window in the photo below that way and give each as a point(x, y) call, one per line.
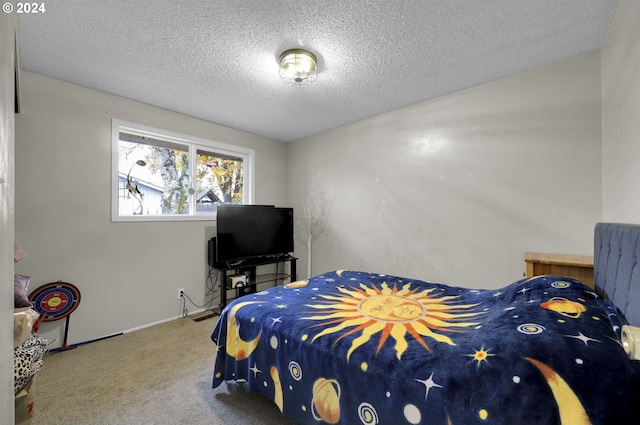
point(166, 176)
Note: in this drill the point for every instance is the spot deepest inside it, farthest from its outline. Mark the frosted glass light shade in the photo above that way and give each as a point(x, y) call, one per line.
point(298, 66)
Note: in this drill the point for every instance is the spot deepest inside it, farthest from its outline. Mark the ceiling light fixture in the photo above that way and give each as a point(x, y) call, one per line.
point(298, 66)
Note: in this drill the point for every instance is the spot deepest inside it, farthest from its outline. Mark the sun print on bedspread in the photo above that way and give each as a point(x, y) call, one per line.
point(392, 312)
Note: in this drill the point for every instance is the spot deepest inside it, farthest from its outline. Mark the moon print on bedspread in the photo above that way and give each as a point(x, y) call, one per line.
point(569, 406)
point(236, 346)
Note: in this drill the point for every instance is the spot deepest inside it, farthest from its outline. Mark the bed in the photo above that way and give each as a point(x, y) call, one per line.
point(352, 347)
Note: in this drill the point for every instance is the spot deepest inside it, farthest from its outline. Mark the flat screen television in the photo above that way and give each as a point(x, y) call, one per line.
point(248, 231)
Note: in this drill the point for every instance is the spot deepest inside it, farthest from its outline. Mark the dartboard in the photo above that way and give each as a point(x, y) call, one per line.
point(55, 301)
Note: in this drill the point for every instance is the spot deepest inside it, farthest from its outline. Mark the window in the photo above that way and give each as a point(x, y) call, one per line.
point(158, 175)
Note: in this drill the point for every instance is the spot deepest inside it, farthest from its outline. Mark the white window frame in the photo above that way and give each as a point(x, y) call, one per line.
point(194, 144)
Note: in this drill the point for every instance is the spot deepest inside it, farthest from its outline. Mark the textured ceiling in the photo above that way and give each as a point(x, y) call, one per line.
point(216, 60)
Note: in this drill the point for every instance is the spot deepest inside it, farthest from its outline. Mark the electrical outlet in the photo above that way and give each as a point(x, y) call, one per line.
point(180, 293)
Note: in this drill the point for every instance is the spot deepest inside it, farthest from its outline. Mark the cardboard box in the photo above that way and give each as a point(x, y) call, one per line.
point(25, 403)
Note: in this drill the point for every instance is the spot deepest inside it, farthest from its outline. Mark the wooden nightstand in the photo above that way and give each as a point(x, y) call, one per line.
point(579, 267)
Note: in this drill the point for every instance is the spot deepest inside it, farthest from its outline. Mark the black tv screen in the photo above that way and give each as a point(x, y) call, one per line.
point(246, 231)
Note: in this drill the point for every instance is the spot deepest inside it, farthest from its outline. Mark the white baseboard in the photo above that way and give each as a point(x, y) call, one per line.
point(137, 328)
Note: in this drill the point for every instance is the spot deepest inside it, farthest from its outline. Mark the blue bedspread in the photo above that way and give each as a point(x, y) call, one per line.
point(358, 348)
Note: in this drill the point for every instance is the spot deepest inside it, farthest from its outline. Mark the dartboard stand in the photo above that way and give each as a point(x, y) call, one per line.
point(55, 301)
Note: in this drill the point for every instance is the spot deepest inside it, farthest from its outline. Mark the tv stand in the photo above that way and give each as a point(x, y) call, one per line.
point(248, 267)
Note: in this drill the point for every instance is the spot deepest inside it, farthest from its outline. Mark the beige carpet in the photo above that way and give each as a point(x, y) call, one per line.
point(159, 375)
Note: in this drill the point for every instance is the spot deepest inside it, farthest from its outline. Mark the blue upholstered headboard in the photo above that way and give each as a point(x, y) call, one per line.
point(617, 268)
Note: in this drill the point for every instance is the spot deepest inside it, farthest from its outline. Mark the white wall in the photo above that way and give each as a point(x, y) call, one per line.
point(621, 119)
point(456, 189)
point(128, 273)
point(8, 23)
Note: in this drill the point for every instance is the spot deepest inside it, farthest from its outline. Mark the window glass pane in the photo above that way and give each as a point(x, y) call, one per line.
point(219, 180)
point(154, 175)
point(159, 175)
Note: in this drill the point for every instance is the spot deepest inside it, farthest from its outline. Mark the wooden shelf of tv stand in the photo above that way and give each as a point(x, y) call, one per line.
point(250, 265)
point(579, 267)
